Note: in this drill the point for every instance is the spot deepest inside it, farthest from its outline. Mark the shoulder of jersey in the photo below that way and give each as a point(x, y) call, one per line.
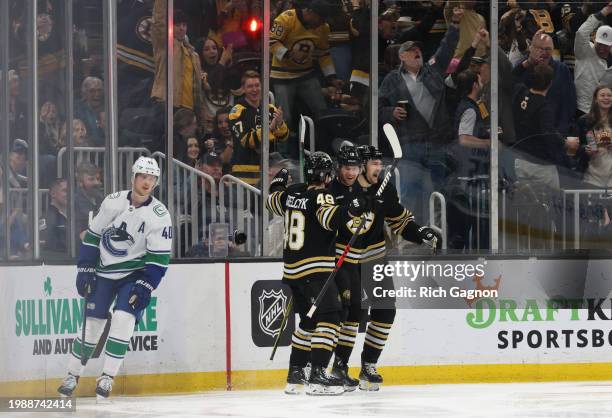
point(117, 199)
point(296, 188)
point(159, 210)
point(236, 111)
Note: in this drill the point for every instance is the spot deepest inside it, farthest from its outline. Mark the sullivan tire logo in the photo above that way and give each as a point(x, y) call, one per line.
point(269, 299)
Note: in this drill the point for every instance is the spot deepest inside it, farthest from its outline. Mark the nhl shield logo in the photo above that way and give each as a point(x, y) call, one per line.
point(271, 307)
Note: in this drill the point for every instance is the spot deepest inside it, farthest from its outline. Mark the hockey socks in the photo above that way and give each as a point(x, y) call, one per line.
point(300, 347)
point(346, 340)
point(323, 343)
point(375, 340)
point(93, 330)
point(121, 330)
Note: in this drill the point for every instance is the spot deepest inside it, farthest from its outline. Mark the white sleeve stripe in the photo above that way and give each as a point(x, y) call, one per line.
point(157, 264)
point(89, 245)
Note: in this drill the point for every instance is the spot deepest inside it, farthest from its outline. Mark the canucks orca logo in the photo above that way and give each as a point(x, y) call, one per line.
point(113, 237)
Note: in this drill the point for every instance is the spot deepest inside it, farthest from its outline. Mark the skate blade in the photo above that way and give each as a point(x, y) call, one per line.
point(320, 390)
point(293, 389)
point(349, 388)
point(63, 395)
point(102, 400)
point(368, 386)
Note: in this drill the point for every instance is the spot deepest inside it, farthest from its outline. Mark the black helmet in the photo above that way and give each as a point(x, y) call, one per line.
point(317, 166)
point(369, 152)
point(349, 155)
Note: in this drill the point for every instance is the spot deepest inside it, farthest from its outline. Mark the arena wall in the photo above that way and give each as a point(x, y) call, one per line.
point(211, 327)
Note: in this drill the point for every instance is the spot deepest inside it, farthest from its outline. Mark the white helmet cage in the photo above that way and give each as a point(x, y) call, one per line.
point(146, 165)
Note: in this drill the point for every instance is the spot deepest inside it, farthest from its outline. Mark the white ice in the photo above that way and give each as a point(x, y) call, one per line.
point(582, 399)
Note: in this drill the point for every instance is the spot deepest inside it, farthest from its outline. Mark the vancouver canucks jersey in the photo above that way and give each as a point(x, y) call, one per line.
point(311, 221)
point(123, 238)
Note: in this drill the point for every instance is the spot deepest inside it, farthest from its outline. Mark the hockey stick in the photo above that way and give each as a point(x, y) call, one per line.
point(302, 129)
point(286, 314)
point(397, 155)
point(83, 356)
point(102, 341)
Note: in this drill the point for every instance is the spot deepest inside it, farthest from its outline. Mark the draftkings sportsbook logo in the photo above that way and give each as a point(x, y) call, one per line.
point(269, 300)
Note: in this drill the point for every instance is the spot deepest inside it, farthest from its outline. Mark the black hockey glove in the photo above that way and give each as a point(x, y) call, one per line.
point(140, 295)
point(357, 207)
point(428, 237)
point(280, 180)
point(420, 235)
point(86, 281)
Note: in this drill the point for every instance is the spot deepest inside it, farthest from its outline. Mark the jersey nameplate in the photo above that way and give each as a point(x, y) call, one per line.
point(296, 203)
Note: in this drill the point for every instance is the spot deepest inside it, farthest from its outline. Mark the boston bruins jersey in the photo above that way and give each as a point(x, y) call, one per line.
point(288, 33)
point(371, 243)
point(125, 238)
point(245, 123)
point(311, 221)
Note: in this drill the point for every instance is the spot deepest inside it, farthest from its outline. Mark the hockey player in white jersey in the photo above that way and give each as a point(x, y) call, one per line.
point(124, 255)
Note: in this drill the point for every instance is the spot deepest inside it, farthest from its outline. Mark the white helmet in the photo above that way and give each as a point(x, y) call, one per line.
point(146, 165)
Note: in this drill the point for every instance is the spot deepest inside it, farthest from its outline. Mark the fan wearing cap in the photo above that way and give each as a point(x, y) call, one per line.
point(592, 58)
point(123, 258)
point(412, 98)
point(186, 63)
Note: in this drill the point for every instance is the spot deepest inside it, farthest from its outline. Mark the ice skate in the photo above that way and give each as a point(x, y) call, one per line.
point(322, 383)
point(369, 379)
point(104, 387)
point(340, 371)
point(68, 385)
point(296, 379)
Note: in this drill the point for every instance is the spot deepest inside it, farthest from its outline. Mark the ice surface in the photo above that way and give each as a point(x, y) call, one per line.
point(582, 399)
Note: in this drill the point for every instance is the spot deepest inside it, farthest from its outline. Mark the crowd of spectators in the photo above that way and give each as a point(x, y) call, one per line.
point(434, 65)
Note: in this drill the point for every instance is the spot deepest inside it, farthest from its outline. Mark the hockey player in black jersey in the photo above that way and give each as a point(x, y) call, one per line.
point(312, 219)
point(368, 250)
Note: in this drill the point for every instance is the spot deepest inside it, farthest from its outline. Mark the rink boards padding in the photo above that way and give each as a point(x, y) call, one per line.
point(182, 344)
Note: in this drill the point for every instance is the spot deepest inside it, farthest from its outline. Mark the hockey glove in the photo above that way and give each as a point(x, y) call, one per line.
point(140, 295)
point(86, 281)
point(280, 180)
point(356, 207)
point(428, 237)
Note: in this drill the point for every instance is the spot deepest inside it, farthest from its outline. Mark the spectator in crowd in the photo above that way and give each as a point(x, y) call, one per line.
point(193, 151)
point(17, 108)
point(299, 38)
point(54, 233)
point(424, 22)
point(592, 66)
point(17, 221)
point(472, 153)
point(221, 140)
point(562, 93)
point(50, 141)
point(387, 31)
point(18, 163)
point(539, 147)
point(211, 164)
point(185, 126)
point(412, 98)
point(187, 77)
point(90, 109)
point(246, 126)
point(88, 196)
point(215, 64)
point(596, 133)
point(470, 24)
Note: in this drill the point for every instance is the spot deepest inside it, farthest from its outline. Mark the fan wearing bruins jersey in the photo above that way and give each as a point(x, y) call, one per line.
point(311, 222)
point(299, 38)
point(368, 250)
point(123, 258)
point(245, 124)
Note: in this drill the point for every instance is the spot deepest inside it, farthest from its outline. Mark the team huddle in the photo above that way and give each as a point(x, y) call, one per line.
point(321, 217)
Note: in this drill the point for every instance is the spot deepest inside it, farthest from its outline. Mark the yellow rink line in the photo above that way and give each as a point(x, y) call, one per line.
point(274, 379)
